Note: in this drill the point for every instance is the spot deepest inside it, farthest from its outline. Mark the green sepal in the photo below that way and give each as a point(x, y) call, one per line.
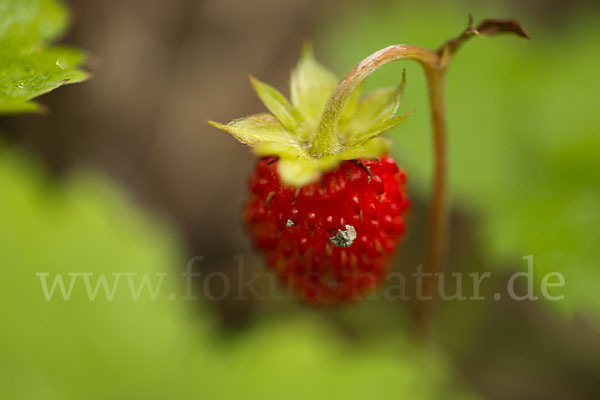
point(277, 104)
point(351, 106)
point(311, 85)
point(256, 129)
point(299, 171)
point(374, 108)
point(376, 129)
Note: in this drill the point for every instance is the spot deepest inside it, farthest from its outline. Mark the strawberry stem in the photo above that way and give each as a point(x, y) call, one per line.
point(438, 223)
point(438, 228)
point(435, 63)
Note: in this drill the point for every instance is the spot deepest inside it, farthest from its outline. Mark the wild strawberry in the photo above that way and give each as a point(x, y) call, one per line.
point(326, 203)
point(332, 239)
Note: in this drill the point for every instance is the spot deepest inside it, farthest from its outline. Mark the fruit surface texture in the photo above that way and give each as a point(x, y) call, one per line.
point(329, 241)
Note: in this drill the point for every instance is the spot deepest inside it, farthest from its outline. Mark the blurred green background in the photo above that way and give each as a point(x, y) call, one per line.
point(123, 176)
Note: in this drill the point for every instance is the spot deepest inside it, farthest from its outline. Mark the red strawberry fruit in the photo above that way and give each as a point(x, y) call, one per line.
point(326, 202)
point(332, 239)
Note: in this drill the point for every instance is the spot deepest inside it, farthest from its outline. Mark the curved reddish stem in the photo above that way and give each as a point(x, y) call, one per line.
point(435, 64)
point(325, 141)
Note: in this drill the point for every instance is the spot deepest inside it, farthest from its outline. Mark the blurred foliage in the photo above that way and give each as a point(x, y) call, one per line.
point(157, 349)
point(524, 130)
point(30, 67)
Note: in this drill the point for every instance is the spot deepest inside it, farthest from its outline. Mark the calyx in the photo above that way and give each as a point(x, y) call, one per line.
point(321, 125)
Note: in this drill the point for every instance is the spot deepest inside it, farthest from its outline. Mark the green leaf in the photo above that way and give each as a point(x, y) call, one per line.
point(310, 87)
point(29, 66)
